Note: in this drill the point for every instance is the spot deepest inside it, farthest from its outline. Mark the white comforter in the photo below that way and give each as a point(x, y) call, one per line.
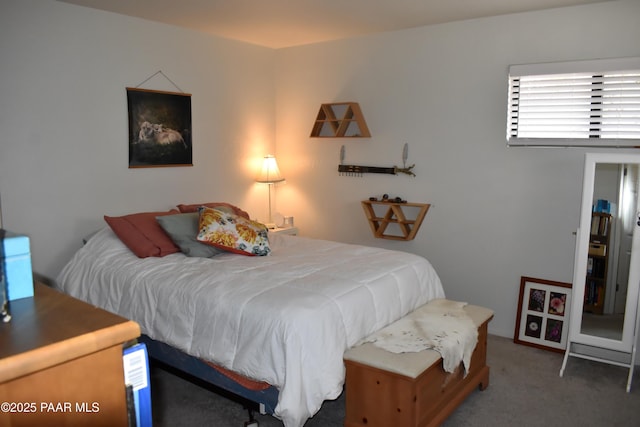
point(286, 318)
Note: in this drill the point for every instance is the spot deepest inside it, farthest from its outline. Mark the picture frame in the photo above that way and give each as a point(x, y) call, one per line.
point(159, 128)
point(543, 314)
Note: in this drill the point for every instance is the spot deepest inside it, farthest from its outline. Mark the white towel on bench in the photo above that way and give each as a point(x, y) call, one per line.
point(440, 325)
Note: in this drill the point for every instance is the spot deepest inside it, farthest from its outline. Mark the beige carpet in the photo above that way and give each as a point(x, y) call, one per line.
point(525, 390)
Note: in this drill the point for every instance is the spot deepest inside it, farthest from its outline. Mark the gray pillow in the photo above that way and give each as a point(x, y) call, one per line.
point(183, 229)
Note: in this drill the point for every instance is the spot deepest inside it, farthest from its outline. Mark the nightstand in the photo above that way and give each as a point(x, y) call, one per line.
point(292, 231)
point(61, 362)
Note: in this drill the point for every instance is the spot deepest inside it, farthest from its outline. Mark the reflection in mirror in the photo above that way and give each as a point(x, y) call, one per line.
point(615, 195)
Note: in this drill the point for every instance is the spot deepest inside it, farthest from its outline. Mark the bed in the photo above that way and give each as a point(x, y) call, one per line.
point(285, 319)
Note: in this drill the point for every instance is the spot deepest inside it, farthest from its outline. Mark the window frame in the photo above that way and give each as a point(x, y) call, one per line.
point(594, 67)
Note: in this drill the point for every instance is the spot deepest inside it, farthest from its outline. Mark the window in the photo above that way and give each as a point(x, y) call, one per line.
point(584, 103)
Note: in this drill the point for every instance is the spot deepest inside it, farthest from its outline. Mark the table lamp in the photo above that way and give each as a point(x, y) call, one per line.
point(270, 175)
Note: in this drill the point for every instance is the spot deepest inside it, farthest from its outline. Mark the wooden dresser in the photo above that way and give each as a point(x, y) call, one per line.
point(61, 363)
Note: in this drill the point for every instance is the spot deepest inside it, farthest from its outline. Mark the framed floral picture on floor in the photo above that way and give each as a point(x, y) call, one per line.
point(543, 314)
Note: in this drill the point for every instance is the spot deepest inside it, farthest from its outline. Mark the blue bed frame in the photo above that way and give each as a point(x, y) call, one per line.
point(199, 372)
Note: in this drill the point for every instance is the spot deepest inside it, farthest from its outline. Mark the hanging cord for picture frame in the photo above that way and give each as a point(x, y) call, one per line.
point(163, 75)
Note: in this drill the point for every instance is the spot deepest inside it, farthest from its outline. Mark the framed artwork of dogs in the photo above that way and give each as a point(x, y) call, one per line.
point(159, 128)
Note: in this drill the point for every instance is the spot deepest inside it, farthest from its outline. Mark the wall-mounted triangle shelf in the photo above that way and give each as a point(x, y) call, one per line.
point(395, 214)
point(340, 120)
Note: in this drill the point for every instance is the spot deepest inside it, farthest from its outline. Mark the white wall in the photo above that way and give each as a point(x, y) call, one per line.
point(64, 128)
point(497, 213)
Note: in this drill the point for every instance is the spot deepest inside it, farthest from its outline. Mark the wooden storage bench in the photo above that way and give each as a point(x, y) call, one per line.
point(411, 389)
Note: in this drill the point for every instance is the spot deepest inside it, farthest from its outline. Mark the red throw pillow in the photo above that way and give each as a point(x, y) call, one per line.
point(141, 233)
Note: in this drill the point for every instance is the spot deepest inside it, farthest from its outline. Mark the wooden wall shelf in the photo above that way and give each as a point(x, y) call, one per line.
point(394, 215)
point(340, 120)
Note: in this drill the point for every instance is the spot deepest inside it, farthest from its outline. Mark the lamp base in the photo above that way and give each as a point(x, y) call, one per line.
point(270, 225)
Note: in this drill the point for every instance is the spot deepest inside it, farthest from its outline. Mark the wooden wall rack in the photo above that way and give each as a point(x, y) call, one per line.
point(340, 120)
point(394, 215)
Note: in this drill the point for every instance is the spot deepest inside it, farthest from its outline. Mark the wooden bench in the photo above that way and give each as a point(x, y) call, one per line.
point(411, 389)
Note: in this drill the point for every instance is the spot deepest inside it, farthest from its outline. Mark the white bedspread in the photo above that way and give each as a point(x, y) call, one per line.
point(286, 318)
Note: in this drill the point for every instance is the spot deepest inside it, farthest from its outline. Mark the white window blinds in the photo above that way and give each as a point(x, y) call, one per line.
point(585, 103)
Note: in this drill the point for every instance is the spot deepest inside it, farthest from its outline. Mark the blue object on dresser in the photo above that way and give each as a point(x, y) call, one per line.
point(18, 275)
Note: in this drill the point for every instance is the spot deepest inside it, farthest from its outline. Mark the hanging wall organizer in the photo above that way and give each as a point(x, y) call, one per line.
point(357, 170)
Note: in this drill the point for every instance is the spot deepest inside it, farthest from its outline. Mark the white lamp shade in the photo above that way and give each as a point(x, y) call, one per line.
point(269, 174)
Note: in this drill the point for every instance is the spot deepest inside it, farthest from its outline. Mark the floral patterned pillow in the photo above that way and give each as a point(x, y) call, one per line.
point(232, 233)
